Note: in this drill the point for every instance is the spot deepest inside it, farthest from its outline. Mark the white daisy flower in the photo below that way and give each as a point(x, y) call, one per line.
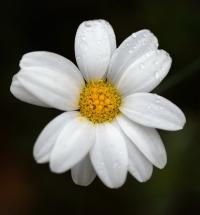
point(110, 119)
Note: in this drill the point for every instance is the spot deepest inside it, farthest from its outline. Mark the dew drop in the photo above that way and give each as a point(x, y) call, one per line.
point(142, 66)
point(134, 47)
point(157, 76)
point(134, 35)
point(101, 167)
point(87, 24)
point(157, 100)
point(145, 35)
point(130, 51)
point(148, 54)
point(158, 51)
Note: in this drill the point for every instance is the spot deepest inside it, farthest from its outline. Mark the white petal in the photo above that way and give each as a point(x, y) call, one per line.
point(94, 45)
point(83, 173)
point(131, 49)
point(111, 34)
point(146, 139)
point(138, 165)
point(51, 79)
point(51, 61)
point(109, 155)
point(48, 136)
point(72, 144)
point(153, 111)
point(22, 94)
point(144, 74)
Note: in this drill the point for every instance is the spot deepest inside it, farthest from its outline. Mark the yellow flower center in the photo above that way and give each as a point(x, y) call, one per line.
point(99, 101)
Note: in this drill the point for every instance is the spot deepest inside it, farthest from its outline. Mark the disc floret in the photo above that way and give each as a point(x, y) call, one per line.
point(99, 101)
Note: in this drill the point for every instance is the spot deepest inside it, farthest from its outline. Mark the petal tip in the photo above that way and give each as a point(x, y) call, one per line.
point(146, 177)
point(162, 163)
point(12, 90)
point(115, 186)
point(143, 180)
point(181, 123)
point(40, 159)
point(14, 87)
point(80, 183)
point(55, 168)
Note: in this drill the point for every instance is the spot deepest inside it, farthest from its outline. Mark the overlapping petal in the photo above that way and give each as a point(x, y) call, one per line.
point(22, 94)
point(48, 79)
point(83, 173)
point(131, 49)
point(144, 74)
point(147, 140)
point(72, 144)
point(109, 155)
point(128, 143)
point(138, 165)
point(48, 136)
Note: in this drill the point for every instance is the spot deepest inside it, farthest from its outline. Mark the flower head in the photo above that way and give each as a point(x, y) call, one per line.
point(110, 119)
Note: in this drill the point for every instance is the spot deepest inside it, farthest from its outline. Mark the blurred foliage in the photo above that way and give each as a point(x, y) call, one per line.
point(28, 188)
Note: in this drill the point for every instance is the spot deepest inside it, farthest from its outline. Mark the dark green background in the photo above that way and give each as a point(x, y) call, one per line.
point(28, 188)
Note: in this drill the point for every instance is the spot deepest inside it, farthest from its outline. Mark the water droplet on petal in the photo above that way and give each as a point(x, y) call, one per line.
point(157, 76)
point(142, 66)
point(148, 54)
point(134, 35)
point(87, 24)
point(98, 42)
point(101, 167)
point(134, 47)
point(130, 51)
point(145, 35)
point(157, 100)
